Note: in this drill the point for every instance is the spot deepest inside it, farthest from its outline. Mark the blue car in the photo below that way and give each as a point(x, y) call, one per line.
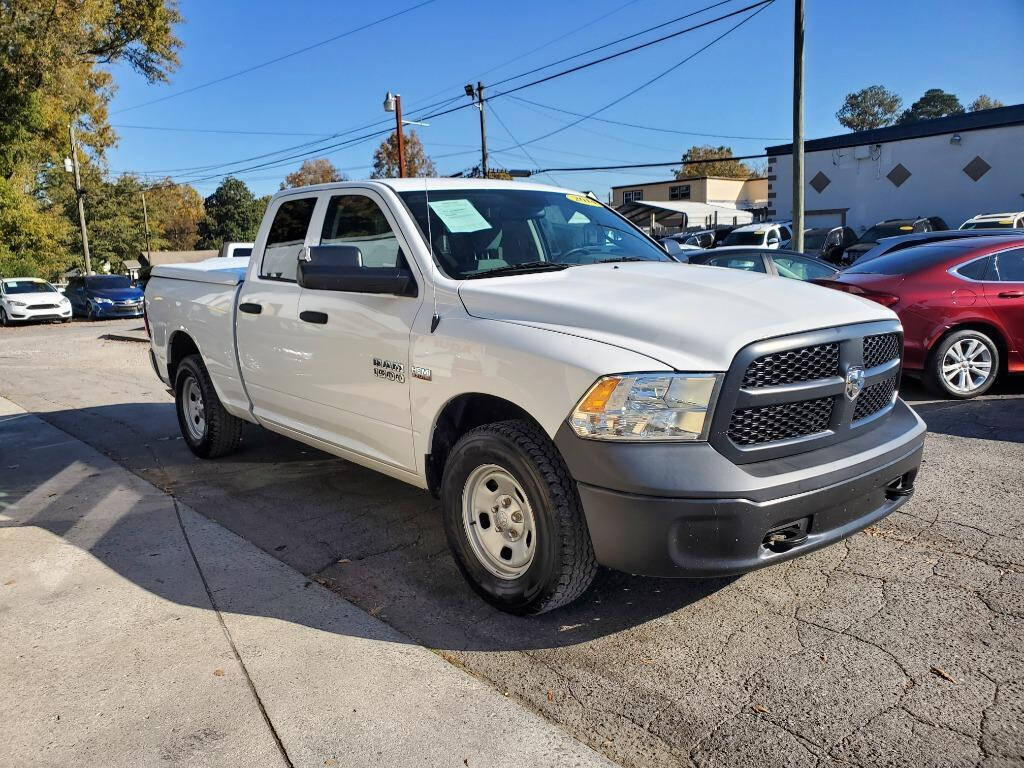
point(103, 296)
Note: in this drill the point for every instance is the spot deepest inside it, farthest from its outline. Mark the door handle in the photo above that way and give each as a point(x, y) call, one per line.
point(320, 318)
point(1011, 294)
point(249, 308)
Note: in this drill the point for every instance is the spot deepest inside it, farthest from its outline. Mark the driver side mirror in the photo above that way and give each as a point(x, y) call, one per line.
point(340, 268)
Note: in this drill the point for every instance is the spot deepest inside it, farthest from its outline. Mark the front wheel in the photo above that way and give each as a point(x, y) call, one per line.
point(514, 521)
point(90, 311)
point(4, 320)
point(964, 365)
point(209, 430)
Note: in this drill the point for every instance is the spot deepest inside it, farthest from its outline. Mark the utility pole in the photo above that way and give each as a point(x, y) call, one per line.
point(479, 96)
point(78, 194)
point(393, 103)
point(145, 218)
point(798, 125)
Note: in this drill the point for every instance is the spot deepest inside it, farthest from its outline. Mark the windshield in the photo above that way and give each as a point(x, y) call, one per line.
point(750, 237)
point(107, 282)
point(27, 286)
point(239, 253)
point(815, 238)
point(478, 231)
point(1001, 224)
point(879, 231)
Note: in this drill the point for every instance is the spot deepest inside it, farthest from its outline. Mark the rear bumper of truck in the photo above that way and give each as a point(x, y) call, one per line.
point(665, 509)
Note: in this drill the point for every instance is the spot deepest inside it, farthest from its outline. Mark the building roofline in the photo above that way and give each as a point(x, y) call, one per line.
point(685, 178)
point(969, 121)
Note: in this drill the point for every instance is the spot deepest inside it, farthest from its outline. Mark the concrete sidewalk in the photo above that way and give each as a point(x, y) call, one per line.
point(134, 632)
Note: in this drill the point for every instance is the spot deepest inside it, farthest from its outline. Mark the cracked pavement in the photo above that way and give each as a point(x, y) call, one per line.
point(902, 646)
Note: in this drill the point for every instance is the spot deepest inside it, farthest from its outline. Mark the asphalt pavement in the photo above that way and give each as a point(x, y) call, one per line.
point(902, 646)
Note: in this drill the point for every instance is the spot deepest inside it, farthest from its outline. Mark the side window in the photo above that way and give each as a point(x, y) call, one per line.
point(286, 238)
point(801, 269)
point(784, 233)
point(358, 220)
point(751, 263)
point(975, 270)
point(1009, 266)
point(921, 226)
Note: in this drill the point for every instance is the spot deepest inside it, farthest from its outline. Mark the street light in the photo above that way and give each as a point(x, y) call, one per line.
point(393, 103)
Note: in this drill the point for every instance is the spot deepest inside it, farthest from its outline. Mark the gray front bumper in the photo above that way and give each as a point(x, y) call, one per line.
point(671, 509)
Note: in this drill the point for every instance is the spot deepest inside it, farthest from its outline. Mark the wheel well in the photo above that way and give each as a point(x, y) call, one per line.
point(181, 346)
point(989, 330)
point(459, 416)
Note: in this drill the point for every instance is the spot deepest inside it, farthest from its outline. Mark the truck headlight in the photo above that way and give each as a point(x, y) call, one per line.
point(647, 406)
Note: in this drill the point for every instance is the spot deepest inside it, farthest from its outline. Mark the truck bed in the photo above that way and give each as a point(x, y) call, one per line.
point(227, 271)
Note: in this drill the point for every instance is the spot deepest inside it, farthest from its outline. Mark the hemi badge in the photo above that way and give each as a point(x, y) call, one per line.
point(421, 373)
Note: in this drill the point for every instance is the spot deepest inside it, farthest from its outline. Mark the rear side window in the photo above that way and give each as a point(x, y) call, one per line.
point(286, 238)
point(749, 263)
point(359, 221)
point(1009, 266)
point(975, 270)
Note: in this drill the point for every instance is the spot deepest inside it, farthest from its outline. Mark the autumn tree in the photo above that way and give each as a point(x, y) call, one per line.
point(175, 211)
point(984, 102)
point(319, 170)
point(868, 108)
point(933, 104)
point(417, 162)
point(233, 214)
point(722, 163)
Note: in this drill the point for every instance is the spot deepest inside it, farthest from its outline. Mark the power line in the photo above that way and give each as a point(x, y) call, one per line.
point(648, 127)
point(178, 129)
point(276, 59)
point(516, 141)
point(648, 165)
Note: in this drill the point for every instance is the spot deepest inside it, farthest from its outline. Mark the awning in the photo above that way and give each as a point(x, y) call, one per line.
point(696, 214)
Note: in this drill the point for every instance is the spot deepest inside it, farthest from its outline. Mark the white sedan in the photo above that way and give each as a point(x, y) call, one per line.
point(27, 298)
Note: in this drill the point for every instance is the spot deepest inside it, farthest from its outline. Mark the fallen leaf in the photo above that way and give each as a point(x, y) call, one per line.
point(646, 661)
point(330, 761)
point(8, 582)
point(759, 709)
point(943, 674)
point(568, 627)
point(375, 612)
point(218, 673)
point(551, 695)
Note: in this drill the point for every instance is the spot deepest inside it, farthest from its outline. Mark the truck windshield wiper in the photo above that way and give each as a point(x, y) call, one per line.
point(526, 266)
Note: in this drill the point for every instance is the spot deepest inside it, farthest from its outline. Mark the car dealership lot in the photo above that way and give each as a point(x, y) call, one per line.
point(902, 646)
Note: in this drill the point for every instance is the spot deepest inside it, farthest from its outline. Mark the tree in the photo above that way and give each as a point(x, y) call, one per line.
point(984, 102)
point(723, 165)
point(871, 107)
point(417, 162)
point(175, 211)
point(34, 241)
point(319, 170)
point(232, 215)
point(933, 104)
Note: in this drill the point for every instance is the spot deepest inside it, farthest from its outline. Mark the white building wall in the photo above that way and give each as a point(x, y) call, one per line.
point(937, 185)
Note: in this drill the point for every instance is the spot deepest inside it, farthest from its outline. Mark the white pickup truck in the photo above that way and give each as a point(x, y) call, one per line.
point(571, 394)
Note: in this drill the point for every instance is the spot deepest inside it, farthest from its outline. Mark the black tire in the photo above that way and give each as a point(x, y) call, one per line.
point(221, 432)
point(563, 564)
point(90, 311)
point(3, 317)
point(936, 382)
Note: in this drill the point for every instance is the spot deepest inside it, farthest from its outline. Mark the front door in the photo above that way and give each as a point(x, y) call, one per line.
point(1004, 291)
point(267, 318)
point(355, 366)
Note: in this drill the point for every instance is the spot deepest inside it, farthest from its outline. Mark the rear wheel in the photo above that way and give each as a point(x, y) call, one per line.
point(4, 320)
point(514, 521)
point(209, 430)
point(964, 365)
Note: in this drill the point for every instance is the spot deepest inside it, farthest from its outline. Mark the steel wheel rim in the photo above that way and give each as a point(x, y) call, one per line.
point(499, 522)
point(966, 366)
point(194, 409)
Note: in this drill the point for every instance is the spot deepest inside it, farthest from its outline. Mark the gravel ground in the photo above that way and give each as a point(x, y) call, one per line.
point(903, 646)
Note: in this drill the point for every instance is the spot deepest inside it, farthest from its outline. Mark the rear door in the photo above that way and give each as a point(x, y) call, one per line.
point(267, 319)
point(355, 366)
point(1004, 291)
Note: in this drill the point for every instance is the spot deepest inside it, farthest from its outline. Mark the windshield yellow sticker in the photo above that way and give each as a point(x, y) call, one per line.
point(583, 200)
point(1006, 221)
point(906, 229)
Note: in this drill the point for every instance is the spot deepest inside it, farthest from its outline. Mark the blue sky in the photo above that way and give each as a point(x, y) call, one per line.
point(740, 86)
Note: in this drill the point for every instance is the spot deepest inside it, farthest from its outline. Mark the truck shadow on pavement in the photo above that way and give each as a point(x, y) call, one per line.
point(997, 416)
point(372, 540)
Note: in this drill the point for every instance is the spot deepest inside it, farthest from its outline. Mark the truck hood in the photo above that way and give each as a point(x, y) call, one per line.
point(689, 317)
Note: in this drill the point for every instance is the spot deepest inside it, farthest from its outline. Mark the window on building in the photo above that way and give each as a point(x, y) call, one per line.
point(679, 192)
point(632, 195)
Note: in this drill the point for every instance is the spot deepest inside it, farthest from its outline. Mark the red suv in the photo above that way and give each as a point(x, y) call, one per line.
point(961, 303)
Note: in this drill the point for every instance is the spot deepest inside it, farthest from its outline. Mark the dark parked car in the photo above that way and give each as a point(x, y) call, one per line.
point(828, 243)
point(893, 244)
point(891, 228)
point(705, 238)
point(769, 261)
point(961, 303)
point(102, 296)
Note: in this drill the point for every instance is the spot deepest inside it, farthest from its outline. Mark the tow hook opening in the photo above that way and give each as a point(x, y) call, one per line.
point(901, 487)
point(783, 538)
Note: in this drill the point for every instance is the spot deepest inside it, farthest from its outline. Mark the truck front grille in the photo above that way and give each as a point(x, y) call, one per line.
point(751, 426)
point(875, 398)
point(793, 365)
point(788, 395)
